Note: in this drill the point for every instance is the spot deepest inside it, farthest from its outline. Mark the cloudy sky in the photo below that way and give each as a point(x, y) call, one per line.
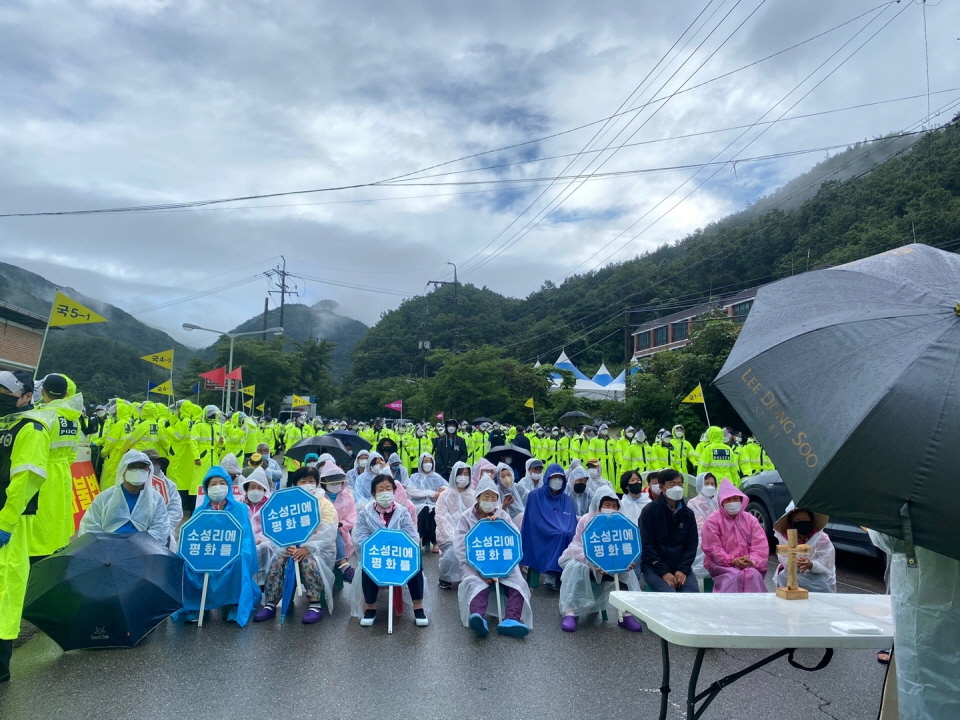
point(118, 103)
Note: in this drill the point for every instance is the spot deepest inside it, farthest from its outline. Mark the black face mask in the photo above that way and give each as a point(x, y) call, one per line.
point(579, 487)
point(804, 527)
point(634, 488)
point(8, 404)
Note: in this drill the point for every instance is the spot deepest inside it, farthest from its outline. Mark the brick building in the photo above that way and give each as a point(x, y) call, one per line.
point(21, 335)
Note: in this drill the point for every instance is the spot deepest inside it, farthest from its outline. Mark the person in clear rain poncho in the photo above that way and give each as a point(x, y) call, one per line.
point(256, 490)
point(424, 489)
point(703, 506)
point(333, 482)
point(359, 467)
point(584, 588)
point(816, 572)
point(581, 489)
point(531, 481)
point(450, 505)
point(473, 594)
point(510, 496)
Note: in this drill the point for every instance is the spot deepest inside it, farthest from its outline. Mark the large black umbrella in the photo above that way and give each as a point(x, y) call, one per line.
point(319, 445)
point(497, 454)
point(850, 379)
point(576, 415)
point(104, 590)
point(348, 437)
point(481, 420)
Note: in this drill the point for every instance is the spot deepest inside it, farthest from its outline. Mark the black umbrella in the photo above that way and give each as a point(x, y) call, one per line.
point(497, 454)
point(318, 446)
point(850, 379)
point(348, 437)
point(481, 420)
point(104, 590)
point(576, 415)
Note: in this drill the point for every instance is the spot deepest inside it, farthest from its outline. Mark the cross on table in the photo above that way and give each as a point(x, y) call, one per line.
point(792, 591)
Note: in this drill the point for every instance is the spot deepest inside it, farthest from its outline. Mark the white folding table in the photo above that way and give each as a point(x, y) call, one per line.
point(756, 621)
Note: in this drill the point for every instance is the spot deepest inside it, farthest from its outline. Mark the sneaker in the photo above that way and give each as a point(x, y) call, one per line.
point(369, 617)
point(347, 572)
point(630, 623)
point(569, 624)
point(513, 628)
point(191, 617)
point(445, 585)
point(232, 615)
point(478, 625)
point(551, 581)
point(313, 615)
point(421, 617)
point(267, 613)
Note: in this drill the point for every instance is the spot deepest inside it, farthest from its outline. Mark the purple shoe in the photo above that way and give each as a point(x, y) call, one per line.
point(630, 623)
point(267, 613)
point(348, 573)
point(569, 624)
point(313, 615)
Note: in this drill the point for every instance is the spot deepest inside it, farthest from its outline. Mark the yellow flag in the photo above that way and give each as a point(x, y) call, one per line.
point(249, 403)
point(163, 388)
point(300, 402)
point(163, 359)
point(529, 403)
point(260, 407)
point(696, 396)
point(66, 311)
point(249, 390)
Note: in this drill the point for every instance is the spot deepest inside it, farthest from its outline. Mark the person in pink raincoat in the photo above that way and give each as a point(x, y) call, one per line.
point(735, 547)
point(333, 481)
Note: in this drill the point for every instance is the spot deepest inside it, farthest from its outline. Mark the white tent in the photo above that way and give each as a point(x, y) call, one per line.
point(603, 376)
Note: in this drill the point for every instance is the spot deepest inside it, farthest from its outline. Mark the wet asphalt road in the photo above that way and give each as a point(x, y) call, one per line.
point(338, 670)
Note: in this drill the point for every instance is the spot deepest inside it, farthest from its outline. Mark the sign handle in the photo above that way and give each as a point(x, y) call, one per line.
point(496, 584)
point(616, 588)
point(296, 567)
point(203, 598)
point(390, 611)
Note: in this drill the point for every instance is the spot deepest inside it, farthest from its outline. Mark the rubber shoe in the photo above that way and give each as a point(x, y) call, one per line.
point(348, 573)
point(369, 618)
point(268, 612)
point(232, 615)
point(630, 623)
point(445, 584)
point(421, 618)
point(313, 615)
point(479, 625)
point(569, 624)
point(191, 617)
point(513, 628)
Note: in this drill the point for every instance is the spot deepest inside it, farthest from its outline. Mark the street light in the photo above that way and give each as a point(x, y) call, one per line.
point(233, 336)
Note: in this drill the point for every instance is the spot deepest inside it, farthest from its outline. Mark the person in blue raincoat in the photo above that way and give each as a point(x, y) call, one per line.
point(549, 523)
point(235, 587)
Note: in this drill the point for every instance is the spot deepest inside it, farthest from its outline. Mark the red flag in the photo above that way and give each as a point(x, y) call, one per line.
point(396, 405)
point(237, 375)
point(440, 417)
point(217, 376)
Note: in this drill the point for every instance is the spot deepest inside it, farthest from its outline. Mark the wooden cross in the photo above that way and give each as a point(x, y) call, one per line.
point(792, 591)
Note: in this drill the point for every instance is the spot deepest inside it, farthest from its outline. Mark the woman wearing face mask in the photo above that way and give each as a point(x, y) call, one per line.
point(333, 482)
point(549, 522)
point(531, 481)
point(311, 460)
point(316, 557)
point(482, 468)
point(235, 588)
point(735, 548)
point(473, 594)
point(510, 500)
point(816, 572)
point(424, 488)
point(385, 512)
point(634, 498)
point(581, 490)
point(359, 467)
point(577, 593)
point(595, 474)
point(703, 506)
point(450, 505)
point(256, 490)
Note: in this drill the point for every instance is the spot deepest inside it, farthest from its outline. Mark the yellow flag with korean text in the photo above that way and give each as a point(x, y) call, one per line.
point(67, 311)
point(696, 396)
point(163, 359)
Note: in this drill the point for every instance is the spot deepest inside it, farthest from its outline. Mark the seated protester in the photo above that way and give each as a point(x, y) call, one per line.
point(816, 572)
point(634, 498)
point(359, 467)
point(232, 466)
point(668, 537)
point(235, 588)
point(735, 547)
point(397, 469)
point(174, 504)
point(531, 481)
point(510, 500)
point(482, 468)
point(256, 490)
point(549, 523)
point(653, 484)
point(311, 460)
point(703, 505)
point(130, 505)
point(594, 473)
point(424, 488)
point(451, 504)
point(316, 557)
point(361, 487)
point(474, 592)
point(270, 466)
point(577, 595)
point(384, 512)
point(334, 481)
point(581, 490)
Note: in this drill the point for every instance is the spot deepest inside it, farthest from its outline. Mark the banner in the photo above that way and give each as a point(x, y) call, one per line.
point(249, 390)
point(164, 388)
point(395, 405)
point(249, 404)
point(235, 374)
point(215, 376)
point(85, 489)
point(261, 406)
point(529, 403)
point(163, 359)
point(66, 311)
point(695, 396)
point(300, 402)
point(440, 417)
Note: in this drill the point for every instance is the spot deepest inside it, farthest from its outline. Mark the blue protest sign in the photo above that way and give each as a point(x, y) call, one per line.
point(493, 548)
point(611, 542)
point(389, 557)
point(210, 541)
point(290, 516)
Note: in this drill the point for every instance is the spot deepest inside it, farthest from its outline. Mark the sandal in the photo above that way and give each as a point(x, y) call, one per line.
point(883, 657)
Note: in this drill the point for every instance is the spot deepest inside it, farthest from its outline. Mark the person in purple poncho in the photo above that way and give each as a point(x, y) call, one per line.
point(549, 523)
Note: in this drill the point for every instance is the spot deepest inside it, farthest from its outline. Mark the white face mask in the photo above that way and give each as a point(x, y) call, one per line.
point(640, 436)
point(137, 477)
point(312, 463)
point(708, 491)
point(655, 489)
point(462, 481)
point(604, 432)
point(385, 499)
point(536, 476)
point(428, 467)
point(334, 488)
point(255, 496)
point(607, 511)
point(309, 487)
point(629, 433)
point(678, 434)
point(733, 507)
point(556, 484)
point(362, 462)
point(488, 506)
point(218, 493)
point(594, 473)
point(675, 493)
point(376, 469)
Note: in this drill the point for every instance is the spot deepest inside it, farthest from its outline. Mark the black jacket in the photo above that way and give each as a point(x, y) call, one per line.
point(448, 450)
point(669, 539)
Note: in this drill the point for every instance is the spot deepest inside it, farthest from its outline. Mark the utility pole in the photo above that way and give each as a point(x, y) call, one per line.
point(456, 306)
point(627, 339)
point(282, 288)
point(266, 309)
